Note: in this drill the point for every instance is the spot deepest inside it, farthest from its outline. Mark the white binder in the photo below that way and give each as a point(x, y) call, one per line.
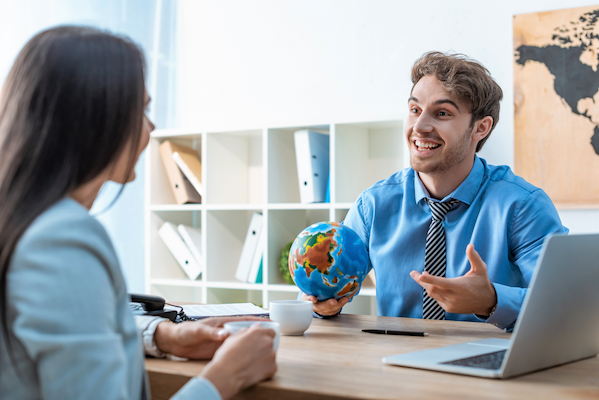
point(250, 246)
point(173, 241)
point(255, 270)
point(192, 237)
point(312, 157)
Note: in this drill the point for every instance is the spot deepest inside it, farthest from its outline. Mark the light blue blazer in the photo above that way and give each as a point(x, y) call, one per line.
point(71, 329)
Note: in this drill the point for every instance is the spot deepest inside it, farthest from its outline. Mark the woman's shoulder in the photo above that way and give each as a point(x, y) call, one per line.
point(65, 220)
point(66, 227)
point(64, 247)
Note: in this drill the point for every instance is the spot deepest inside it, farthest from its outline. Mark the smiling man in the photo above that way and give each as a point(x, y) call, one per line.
point(451, 237)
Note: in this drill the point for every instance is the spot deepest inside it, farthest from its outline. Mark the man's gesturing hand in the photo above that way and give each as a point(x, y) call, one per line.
point(472, 293)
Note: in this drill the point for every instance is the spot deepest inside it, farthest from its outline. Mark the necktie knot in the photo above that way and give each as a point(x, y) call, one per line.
point(438, 210)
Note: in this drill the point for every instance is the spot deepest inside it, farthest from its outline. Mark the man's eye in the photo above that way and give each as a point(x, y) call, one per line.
point(443, 114)
point(413, 110)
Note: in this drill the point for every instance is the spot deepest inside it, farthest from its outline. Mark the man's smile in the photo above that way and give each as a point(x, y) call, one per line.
point(424, 146)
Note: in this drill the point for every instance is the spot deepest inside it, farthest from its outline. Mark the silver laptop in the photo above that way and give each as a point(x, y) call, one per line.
point(558, 322)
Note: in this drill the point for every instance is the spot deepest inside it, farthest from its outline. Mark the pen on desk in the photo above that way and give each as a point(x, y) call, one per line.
point(389, 332)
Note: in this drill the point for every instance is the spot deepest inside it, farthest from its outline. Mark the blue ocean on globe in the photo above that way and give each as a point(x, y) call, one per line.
point(328, 260)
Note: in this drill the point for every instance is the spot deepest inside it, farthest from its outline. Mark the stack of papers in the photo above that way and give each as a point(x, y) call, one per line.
point(223, 310)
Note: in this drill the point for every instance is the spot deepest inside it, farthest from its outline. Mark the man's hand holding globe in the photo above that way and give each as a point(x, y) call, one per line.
point(328, 262)
point(327, 307)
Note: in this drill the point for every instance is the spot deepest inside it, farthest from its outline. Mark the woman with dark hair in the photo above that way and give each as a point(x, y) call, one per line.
point(71, 118)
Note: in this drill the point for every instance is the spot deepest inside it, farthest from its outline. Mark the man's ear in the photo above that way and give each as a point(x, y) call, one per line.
point(482, 127)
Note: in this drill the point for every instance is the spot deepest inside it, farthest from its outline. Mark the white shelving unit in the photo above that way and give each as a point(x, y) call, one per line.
point(255, 170)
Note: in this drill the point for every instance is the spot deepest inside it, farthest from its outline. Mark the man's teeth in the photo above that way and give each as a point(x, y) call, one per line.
point(422, 145)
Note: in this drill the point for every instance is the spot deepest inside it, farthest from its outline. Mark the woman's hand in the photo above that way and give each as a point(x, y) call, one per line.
point(197, 340)
point(243, 360)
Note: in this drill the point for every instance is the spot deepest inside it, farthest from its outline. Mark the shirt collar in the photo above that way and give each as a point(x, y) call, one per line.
point(465, 193)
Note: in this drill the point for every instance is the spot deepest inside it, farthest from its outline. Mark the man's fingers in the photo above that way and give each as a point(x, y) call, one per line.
point(309, 298)
point(477, 265)
point(416, 276)
point(427, 280)
point(329, 306)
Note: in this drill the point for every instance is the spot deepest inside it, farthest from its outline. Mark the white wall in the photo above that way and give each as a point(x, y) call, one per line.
point(276, 63)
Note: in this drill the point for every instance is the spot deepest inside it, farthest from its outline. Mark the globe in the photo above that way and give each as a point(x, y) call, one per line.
point(328, 260)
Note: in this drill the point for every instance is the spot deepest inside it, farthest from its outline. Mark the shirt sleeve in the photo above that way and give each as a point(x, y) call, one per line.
point(147, 325)
point(356, 220)
point(54, 282)
point(535, 219)
point(197, 388)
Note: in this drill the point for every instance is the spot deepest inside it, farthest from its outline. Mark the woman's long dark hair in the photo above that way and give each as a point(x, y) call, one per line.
point(72, 102)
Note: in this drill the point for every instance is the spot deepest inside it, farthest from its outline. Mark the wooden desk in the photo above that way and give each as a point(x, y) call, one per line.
point(334, 360)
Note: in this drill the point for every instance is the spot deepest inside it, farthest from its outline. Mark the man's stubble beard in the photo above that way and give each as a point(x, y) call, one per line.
point(453, 156)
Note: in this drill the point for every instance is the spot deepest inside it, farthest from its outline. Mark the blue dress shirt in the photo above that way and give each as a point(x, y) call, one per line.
point(506, 218)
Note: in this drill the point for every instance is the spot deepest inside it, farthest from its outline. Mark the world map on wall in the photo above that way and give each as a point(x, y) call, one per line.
point(573, 62)
point(556, 103)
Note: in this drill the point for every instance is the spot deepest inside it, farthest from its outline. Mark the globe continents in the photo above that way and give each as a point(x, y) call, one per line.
point(328, 260)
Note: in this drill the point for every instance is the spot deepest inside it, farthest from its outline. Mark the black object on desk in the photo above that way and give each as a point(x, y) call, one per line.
point(145, 304)
point(389, 332)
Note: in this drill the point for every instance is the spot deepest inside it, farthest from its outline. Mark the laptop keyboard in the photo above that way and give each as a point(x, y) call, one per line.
point(485, 361)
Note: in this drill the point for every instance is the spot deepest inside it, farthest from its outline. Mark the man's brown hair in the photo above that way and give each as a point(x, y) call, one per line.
point(469, 81)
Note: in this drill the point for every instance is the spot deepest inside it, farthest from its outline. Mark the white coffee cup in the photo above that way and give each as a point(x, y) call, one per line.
point(295, 316)
point(238, 326)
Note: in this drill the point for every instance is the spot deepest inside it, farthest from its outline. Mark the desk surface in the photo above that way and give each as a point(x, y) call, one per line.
point(335, 360)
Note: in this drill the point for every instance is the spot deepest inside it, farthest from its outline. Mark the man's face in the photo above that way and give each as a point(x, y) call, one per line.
point(437, 129)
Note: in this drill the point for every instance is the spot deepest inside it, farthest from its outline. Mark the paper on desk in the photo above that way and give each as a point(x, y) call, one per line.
point(223, 310)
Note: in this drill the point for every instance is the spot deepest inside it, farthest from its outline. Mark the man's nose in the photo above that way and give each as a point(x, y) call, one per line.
point(423, 123)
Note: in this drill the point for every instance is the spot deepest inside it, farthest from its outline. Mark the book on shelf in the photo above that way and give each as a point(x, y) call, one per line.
point(191, 167)
point(312, 158)
point(174, 242)
point(250, 247)
point(182, 188)
point(192, 237)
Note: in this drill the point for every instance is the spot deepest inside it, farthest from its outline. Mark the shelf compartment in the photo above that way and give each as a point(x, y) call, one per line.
point(277, 295)
point(235, 285)
point(361, 304)
point(222, 295)
point(299, 206)
point(340, 214)
point(227, 230)
point(160, 191)
point(283, 227)
point(283, 184)
point(283, 288)
point(163, 265)
point(177, 282)
point(176, 207)
point(234, 167)
point(365, 153)
point(178, 294)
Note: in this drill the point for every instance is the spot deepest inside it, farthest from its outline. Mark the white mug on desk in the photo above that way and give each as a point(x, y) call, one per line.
point(294, 316)
point(237, 326)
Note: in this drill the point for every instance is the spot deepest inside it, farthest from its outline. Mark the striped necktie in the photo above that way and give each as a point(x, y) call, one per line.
point(434, 255)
